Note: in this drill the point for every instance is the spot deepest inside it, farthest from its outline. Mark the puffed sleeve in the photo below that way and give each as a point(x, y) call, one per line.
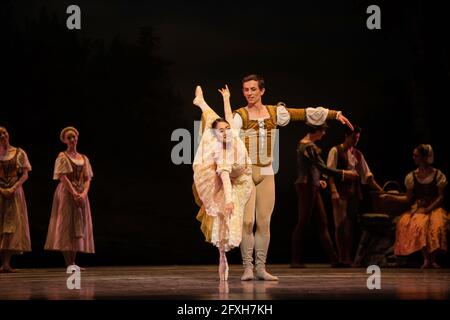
point(283, 115)
point(364, 170)
point(22, 160)
point(62, 166)
point(316, 116)
point(441, 179)
point(332, 158)
point(237, 121)
point(89, 174)
point(409, 181)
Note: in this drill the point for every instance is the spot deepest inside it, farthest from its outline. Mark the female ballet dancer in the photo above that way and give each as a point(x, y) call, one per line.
point(14, 228)
point(222, 178)
point(423, 227)
point(70, 228)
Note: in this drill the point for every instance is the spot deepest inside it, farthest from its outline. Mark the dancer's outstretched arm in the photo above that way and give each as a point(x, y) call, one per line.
point(227, 105)
point(300, 114)
point(407, 198)
point(314, 157)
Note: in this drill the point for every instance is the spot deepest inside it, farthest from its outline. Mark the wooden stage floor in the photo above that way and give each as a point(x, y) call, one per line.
point(201, 283)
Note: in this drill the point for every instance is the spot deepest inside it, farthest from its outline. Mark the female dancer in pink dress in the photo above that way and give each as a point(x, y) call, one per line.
point(70, 228)
point(14, 229)
point(223, 179)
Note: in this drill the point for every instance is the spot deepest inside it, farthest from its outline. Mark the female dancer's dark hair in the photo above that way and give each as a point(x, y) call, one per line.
point(217, 121)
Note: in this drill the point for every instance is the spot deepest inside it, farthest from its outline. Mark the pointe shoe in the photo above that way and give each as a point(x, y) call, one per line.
point(247, 275)
point(223, 270)
point(198, 96)
point(262, 274)
point(226, 272)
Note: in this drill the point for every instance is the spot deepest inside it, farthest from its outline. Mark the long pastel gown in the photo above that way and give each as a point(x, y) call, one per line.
point(70, 227)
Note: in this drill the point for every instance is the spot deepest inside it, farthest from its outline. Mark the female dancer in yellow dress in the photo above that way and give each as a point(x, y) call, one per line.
point(222, 178)
point(423, 226)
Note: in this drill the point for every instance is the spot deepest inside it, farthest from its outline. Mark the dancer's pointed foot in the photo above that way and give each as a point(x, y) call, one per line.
point(248, 274)
point(198, 100)
point(262, 274)
point(223, 272)
point(226, 272)
point(223, 269)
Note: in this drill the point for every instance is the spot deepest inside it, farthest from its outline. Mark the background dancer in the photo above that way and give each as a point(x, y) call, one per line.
point(70, 228)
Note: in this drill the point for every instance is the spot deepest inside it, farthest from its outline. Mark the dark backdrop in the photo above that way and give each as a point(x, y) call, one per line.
point(126, 81)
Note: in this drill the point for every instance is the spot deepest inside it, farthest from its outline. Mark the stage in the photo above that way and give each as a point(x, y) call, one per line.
point(316, 282)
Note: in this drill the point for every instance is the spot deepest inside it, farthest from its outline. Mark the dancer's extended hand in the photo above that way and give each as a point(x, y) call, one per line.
point(385, 196)
point(345, 121)
point(225, 92)
point(78, 197)
point(335, 196)
point(350, 175)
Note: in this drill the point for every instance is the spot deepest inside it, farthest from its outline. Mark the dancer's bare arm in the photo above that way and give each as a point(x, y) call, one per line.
point(398, 198)
point(227, 105)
